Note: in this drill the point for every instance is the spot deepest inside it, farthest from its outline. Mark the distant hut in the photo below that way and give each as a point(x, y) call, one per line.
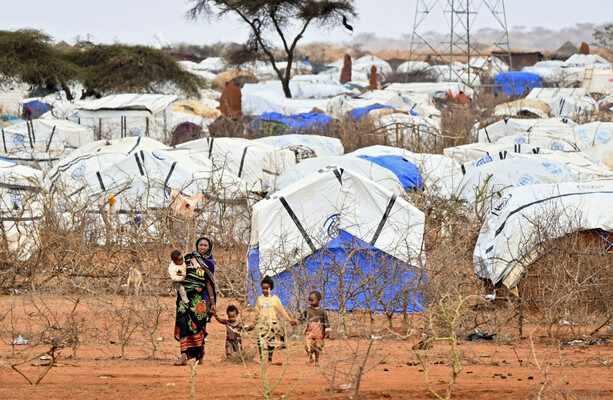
point(564, 52)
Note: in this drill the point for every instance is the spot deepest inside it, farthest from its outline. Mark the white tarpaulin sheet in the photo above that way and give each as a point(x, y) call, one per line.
point(322, 145)
point(509, 238)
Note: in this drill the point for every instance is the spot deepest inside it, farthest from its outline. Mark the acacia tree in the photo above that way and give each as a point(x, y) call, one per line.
point(284, 20)
point(604, 39)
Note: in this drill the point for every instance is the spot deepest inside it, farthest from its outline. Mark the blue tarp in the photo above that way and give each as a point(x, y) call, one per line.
point(297, 122)
point(406, 171)
point(350, 274)
point(517, 82)
point(35, 109)
point(363, 111)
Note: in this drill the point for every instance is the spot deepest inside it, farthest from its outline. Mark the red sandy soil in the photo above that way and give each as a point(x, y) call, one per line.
point(502, 369)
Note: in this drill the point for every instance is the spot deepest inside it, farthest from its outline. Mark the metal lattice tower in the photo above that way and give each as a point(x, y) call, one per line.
point(460, 16)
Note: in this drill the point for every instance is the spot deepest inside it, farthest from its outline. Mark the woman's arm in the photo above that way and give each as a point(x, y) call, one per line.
point(209, 289)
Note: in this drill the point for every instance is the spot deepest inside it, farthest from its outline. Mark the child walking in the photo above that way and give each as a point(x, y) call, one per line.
point(234, 329)
point(317, 323)
point(177, 271)
point(270, 335)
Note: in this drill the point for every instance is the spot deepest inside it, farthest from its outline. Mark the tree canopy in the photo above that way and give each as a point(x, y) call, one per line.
point(28, 55)
point(285, 21)
point(124, 68)
point(604, 39)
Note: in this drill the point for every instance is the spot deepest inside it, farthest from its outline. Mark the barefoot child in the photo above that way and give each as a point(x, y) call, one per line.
point(270, 333)
point(177, 271)
point(317, 323)
point(234, 329)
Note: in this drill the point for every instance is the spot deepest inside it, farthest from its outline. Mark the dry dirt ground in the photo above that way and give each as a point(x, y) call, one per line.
point(502, 369)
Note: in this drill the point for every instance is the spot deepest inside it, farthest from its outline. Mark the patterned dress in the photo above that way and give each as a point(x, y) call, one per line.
point(234, 336)
point(191, 320)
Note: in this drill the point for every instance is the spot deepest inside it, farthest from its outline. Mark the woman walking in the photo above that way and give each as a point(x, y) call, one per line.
point(199, 284)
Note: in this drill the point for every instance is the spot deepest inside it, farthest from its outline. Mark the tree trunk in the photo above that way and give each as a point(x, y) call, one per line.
point(286, 90)
point(67, 91)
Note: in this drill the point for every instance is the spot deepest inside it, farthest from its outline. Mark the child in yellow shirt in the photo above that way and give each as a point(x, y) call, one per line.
point(267, 307)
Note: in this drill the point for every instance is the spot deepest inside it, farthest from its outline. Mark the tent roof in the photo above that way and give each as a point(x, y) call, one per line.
point(146, 102)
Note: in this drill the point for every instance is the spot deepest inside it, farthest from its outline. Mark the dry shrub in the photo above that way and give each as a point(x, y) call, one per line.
point(570, 287)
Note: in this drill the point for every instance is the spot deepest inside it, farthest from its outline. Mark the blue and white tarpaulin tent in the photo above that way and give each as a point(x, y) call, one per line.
point(341, 233)
point(406, 171)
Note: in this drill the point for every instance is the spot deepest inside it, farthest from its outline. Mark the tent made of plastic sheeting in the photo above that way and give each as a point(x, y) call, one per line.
point(524, 107)
point(408, 174)
point(420, 105)
point(484, 182)
point(517, 82)
point(332, 216)
point(475, 151)
point(361, 112)
point(456, 72)
point(322, 146)
point(517, 126)
point(364, 64)
point(70, 172)
point(587, 60)
point(35, 108)
point(293, 123)
point(299, 89)
point(42, 140)
point(564, 102)
point(213, 64)
point(143, 180)
point(309, 166)
point(258, 164)
point(409, 67)
point(124, 115)
point(440, 174)
point(583, 167)
point(437, 90)
point(19, 206)
point(406, 130)
point(509, 239)
point(10, 119)
point(598, 81)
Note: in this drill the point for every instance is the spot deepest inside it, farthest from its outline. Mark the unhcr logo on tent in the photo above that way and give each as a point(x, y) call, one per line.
point(501, 205)
point(18, 139)
point(331, 225)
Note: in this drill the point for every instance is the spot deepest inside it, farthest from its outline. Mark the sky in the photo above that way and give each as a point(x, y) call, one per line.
point(136, 21)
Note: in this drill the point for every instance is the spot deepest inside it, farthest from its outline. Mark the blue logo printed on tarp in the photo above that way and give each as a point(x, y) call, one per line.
point(331, 225)
point(135, 131)
point(520, 140)
point(18, 139)
point(525, 180)
point(557, 145)
point(78, 172)
point(501, 204)
point(484, 160)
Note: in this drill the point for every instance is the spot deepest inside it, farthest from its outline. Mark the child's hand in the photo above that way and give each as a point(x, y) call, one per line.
point(214, 310)
point(294, 322)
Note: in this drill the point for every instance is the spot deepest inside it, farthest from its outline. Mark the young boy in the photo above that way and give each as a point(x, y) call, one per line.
point(267, 306)
point(317, 323)
point(177, 271)
point(234, 329)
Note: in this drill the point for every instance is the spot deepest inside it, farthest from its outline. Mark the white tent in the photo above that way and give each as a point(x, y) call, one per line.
point(256, 163)
point(303, 217)
point(213, 64)
point(300, 89)
point(517, 126)
point(423, 106)
point(436, 89)
point(587, 60)
point(408, 67)
point(524, 217)
point(71, 171)
point(376, 173)
point(440, 174)
point(483, 183)
point(321, 145)
point(124, 115)
point(565, 102)
point(20, 207)
point(42, 139)
point(364, 64)
point(474, 151)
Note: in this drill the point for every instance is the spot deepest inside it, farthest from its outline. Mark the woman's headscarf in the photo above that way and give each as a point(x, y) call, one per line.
point(209, 253)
